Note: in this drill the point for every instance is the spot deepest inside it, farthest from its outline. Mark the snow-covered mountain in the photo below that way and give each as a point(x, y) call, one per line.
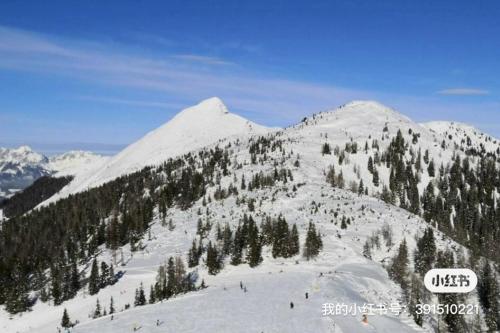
point(193, 128)
point(20, 167)
point(344, 140)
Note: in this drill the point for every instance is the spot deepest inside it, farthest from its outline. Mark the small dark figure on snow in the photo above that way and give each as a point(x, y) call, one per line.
point(291, 305)
point(241, 285)
point(157, 322)
point(245, 289)
point(307, 295)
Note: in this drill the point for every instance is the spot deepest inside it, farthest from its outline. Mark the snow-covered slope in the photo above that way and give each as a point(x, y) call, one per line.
point(464, 136)
point(193, 128)
point(339, 275)
point(74, 162)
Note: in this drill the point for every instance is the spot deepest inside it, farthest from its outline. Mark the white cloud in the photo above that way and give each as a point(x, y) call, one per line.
point(463, 92)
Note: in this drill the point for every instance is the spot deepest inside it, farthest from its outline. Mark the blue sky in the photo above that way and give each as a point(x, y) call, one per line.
point(99, 74)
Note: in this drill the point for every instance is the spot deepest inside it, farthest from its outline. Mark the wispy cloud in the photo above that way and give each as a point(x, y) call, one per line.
point(202, 59)
point(183, 77)
point(128, 102)
point(464, 92)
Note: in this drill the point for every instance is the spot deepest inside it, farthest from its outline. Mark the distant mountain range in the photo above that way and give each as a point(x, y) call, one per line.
point(20, 167)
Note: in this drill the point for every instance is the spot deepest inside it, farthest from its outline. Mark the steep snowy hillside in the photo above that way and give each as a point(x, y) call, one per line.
point(340, 274)
point(191, 129)
point(383, 193)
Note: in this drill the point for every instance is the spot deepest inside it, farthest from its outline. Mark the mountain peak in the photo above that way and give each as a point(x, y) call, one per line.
point(367, 105)
point(211, 106)
point(195, 127)
point(364, 110)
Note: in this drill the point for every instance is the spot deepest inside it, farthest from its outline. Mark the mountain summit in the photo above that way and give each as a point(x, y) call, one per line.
point(193, 128)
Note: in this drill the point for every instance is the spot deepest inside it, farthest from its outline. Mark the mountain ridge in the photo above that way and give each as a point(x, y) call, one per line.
point(192, 128)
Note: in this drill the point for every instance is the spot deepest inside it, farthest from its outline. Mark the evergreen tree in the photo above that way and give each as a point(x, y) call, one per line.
point(97, 311)
point(416, 297)
point(111, 306)
point(65, 322)
point(361, 188)
point(254, 256)
point(193, 255)
point(313, 242)
point(488, 296)
point(237, 247)
point(112, 278)
point(170, 281)
point(140, 297)
point(75, 279)
point(281, 235)
point(94, 281)
point(370, 165)
point(325, 150)
point(56, 283)
point(343, 224)
point(425, 253)
point(294, 244)
point(398, 270)
point(367, 250)
point(152, 296)
point(376, 179)
point(431, 169)
point(104, 278)
point(213, 263)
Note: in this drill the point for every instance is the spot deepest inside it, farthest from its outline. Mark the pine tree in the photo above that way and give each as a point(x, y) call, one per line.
point(398, 270)
point(170, 279)
point(416, 297)
point(313, 242)
point(75, 279)
point(343, 224)
point(112, 278)
point(254, 256)
point(104, 278)
point(65, 322)
point(213, 263)
point(326, 149)
point(193, 258)
point(367, 250)
point(111, 306)
point(370, 164)
point(56, 283)
point(488, 296)
point(140, 297)
point(97, 311)
point(425, 253)
point(94, 281)
point(376, 179)
point(431, 169)
point(281, 234)
point(152, 296)
point(294, 244)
